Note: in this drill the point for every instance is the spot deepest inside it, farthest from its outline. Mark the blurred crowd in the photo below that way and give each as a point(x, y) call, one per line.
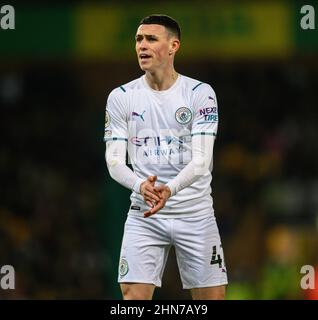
point(61, 216)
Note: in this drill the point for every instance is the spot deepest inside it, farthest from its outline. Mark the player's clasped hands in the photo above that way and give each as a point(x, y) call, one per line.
point(155, 197)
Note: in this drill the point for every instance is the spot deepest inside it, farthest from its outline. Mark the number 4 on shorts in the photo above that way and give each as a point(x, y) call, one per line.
point(214, 260)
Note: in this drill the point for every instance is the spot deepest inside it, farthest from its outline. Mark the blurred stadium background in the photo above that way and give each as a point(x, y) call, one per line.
point(61, 215)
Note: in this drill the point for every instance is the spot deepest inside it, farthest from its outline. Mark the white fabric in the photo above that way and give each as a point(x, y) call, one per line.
point(116, 164)
point(198, 248)
point(200, 164)
point(202, 152)
point(162, 130)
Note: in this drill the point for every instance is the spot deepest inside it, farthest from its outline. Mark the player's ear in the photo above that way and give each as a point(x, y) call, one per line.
point(174, 46)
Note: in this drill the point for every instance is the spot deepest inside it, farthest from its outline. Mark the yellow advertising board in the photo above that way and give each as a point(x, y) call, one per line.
point(220, 29)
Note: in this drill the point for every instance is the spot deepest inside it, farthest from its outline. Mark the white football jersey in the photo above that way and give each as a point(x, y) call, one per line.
point(158, 127)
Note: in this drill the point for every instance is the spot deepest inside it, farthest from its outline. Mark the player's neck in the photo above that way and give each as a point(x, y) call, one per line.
point(161, 80)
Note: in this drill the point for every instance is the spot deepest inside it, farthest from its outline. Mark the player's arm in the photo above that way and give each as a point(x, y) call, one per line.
point(116, 137)
point(203, 132)
point(202, 154)
point(116, 163)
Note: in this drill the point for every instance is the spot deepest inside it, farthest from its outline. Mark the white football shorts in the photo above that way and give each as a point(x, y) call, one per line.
point(146, 243)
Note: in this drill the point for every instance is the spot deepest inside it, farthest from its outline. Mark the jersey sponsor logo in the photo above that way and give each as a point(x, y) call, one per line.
point(123, 267)
point(208, 110)
point(161, 149)
point(107, 119)
point(183, 115)
point(210, 118)
point(209, 115)
point(158, 141)
point(136, 114)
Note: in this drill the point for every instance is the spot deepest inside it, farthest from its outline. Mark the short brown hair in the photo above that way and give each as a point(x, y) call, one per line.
point(164, 20)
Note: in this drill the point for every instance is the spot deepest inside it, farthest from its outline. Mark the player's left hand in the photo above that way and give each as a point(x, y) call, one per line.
point(165, 193)
point(147, 191)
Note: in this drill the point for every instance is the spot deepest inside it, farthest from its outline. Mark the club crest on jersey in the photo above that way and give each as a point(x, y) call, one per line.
point(183, 115)
point(107, 119)
point(123, 267)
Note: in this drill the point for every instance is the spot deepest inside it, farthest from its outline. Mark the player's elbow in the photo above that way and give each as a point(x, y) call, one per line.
point(112, 167)
point(201, 165)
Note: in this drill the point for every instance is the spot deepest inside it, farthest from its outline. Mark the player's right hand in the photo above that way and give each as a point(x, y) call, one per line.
point(165, 194)
point(151, 196)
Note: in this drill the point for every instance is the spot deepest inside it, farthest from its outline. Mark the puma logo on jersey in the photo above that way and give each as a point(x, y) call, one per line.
point(139, 115)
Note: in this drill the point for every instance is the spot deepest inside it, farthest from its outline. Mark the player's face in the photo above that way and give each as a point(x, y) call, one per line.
point(152, 46)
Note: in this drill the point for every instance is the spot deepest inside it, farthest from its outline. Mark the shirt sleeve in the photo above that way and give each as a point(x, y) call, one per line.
point(205, 120)
point(116, 163)
point(116, 127)
point(202, 154)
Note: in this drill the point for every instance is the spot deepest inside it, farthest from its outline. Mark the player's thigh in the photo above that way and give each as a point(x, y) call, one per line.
point(199, 253)
point(137, 291)
point(209, 293)
point(144, 251)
